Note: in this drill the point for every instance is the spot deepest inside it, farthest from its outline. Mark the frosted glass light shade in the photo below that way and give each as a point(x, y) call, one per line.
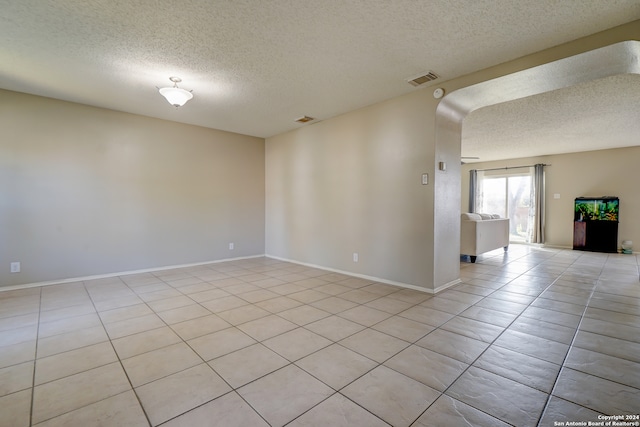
point(176, 96)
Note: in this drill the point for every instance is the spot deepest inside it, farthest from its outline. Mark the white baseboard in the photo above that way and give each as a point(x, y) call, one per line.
point(121, 273)
point(363, 276)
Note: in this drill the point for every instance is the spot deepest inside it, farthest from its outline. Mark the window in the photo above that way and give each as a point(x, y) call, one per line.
point(511, 195)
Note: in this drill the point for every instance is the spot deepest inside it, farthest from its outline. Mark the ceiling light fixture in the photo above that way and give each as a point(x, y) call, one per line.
point(176, 96)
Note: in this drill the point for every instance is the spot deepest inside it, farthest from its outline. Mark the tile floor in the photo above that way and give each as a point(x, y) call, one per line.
point(531, 337)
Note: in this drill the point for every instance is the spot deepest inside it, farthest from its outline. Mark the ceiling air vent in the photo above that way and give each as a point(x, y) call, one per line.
point(304, 119)
point(420, 80)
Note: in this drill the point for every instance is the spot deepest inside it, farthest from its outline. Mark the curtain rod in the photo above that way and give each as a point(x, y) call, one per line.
point(510, 167)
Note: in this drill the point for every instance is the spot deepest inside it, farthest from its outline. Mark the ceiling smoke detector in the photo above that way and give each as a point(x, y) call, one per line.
point(304, 119)
point(422, 79)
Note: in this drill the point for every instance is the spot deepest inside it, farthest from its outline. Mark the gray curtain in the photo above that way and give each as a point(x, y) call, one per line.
point(473, 186)
point(538, 188)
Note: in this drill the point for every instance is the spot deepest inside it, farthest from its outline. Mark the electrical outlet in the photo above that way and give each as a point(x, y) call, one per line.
point(355, 257)
point(15, 267)
point(231, 246)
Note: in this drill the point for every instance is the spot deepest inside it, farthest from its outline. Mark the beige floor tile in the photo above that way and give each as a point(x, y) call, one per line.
point(209, 295)
point(201, 326)
point(487, 315)
point(16, 378)
point(18, 335)
point(332, 288)
point(15, 409)
point(119, 410)
point(79, 390)
point(374, 345)
point(446, 305)
point(595, 393)
point(459, 347)
point(411, 296)
point(150, 366)
point(74, 361)
point(364, 315)
point(113, 303)
point(430, 368)
point(225, 411)
point(182, 314)
point(123, 328)
point(160, 294)
point(243, 314)
point(304, 314)
point(389, 305)
point(197, 287)
point(550, 331)
point(551, 316)
point(337, 411)
point(133, 345)
point(13, 322)
point(241, 288)
point(335, 328)
point(267, 327)
point(17, 353)
point(296, 344)
point(359, 296)
point(427, 315)
point(63, 313)
point(176, 394)
point(499, 397)
point(56, 327)
point(125, 313)
point(336, 365)
point(258, 295)
point(256, 361)
point(170, 303)
point(276, 305)
point(609, 329)
point(544, 349)
point(394, 397)
point(403, 328)
point(447, 411)
point(285, 394)
point(287, 288)
point(308, 296)
point(70, 341)
point(559, 410)
point(224, 304)
point(333, 305)
point(519, 367)
point(220, 343)
point(604, 366)
point(473, 329)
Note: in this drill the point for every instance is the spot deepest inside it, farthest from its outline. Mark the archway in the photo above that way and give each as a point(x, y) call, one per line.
point(619, 58)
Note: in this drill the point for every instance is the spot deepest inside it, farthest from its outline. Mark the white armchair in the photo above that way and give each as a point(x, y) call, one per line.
point(480, 233)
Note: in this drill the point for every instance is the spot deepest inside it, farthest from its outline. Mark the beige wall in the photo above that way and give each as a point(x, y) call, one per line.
point(87, 191)
point(592, 173)
point(352, 183)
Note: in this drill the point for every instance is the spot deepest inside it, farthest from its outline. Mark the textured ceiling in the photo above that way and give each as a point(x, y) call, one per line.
point(603, 113)
point(254, 66)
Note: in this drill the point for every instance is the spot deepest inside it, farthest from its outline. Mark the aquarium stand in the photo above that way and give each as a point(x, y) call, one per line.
point(595, 225)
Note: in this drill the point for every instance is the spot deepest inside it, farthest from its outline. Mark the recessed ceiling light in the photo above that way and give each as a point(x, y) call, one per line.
point(304, 119)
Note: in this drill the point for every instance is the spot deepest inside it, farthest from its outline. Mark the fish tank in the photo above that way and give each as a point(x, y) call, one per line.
point(604, 208)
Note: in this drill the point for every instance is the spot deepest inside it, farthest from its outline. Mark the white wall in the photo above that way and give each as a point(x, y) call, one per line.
point(87, 191)
point(592, 173)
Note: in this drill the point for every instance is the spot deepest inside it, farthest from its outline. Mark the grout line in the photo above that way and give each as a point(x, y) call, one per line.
point(35, 359)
